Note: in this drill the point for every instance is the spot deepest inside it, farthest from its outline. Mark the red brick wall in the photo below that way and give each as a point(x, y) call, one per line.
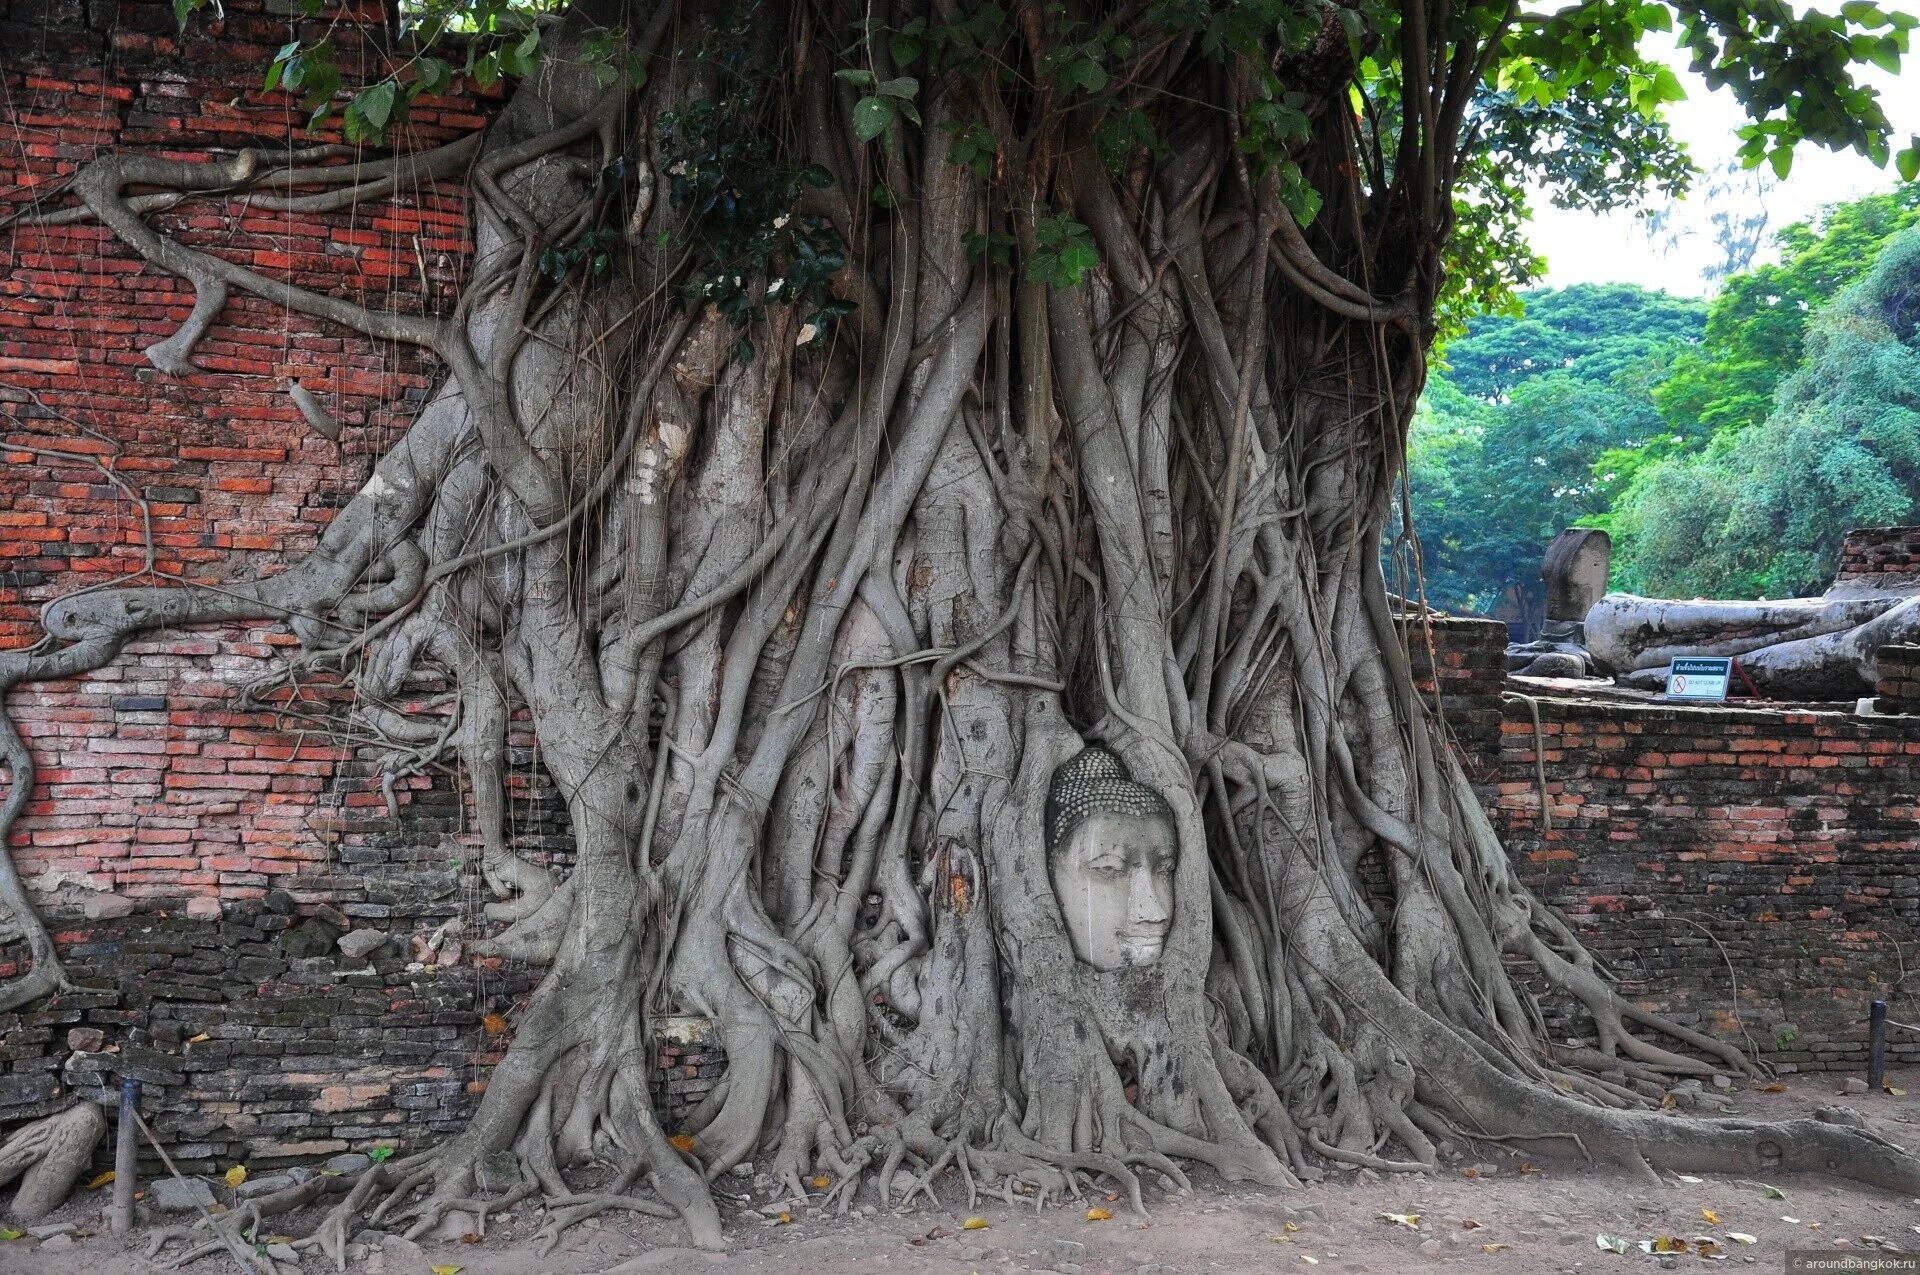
point(1693, 847)
point(1471, 655)
point(1896, 672)
point(153, 782)
point(1885, 555)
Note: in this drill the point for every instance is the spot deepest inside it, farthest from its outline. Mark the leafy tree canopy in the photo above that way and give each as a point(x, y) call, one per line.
point(1594, 331)
point(1562, 102)
point(1502, 450)
point(1645, 381)
point(1754, 330)
point(1762, 512)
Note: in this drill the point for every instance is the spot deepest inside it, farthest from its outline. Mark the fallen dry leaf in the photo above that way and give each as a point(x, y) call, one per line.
point(784, 1218)
point(1895, 1090)
point(1713, 1218)
point(1528, 1166)
point(1775, 1087)
point(1293, 1228)
point(1468, 1224)
point(495, 1024)
point(1790, 1221)
point(820, 1183)
point(1741, 1237)
point(447, 1270)
point(94, 1184)
point(1099, 1215)
point(201, 1038)
point(1773, 1192)
point(1310, 1261)
point(1409, 1220)
point(1688, 1178)
point(1612, 1243)
point(974, 1224)
point(1469, 1173)
point(682, 1141)
point(471, 1237)
point(1494, 1248)
point(8, 1233)
point(236, 1175)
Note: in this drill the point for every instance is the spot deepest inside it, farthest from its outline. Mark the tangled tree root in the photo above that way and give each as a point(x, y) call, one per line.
point(48, 1156)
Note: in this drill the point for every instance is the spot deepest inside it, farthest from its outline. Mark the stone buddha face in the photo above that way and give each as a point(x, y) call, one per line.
point(1111, 851)
point(1114, 880)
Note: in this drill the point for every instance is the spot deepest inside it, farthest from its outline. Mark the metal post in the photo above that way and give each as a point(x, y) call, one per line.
point(126, 1162)
point(1877, 1046)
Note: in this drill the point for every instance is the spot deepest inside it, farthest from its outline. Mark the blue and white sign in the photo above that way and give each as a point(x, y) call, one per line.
point(1699, 677)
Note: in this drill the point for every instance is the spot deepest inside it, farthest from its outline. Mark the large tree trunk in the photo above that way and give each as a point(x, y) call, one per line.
point(808, 609)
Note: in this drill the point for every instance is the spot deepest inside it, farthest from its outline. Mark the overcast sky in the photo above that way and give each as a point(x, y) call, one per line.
point(1616, 248)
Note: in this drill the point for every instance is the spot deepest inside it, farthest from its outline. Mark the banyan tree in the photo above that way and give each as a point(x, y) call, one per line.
point(921, 470)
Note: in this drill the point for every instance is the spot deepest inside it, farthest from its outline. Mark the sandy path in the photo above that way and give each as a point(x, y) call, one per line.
point(1533, 1223)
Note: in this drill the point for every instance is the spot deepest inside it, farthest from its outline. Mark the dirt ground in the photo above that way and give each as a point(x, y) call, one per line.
point(1487, 1214)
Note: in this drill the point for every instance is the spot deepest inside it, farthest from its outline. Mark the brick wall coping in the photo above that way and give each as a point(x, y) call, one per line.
point(1633, 709)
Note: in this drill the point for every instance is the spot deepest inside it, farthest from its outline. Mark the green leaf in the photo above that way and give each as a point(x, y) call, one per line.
point(860, 79)
point(376, 104)
point(379, 1154)
point(1077, 258)
point(1782, 161)
point(1083, 72)
point(871, 117)
point(1667, 86)
point(431, 75)
point(288, 52)
point(900, 86)
point(519, 58)
point(319, 81)
point(1907, 162)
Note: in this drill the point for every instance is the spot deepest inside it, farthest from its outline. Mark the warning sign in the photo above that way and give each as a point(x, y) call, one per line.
point(1699, 677)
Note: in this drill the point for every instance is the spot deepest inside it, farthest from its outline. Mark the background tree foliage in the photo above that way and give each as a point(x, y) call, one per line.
point(1655, 416)
point(1503, 447)
point(1763, 510)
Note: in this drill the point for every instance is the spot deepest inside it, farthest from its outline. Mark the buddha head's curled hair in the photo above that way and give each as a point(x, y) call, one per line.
point(1096, 780)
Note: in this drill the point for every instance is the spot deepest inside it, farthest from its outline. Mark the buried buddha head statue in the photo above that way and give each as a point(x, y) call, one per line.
point(1111, 845)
